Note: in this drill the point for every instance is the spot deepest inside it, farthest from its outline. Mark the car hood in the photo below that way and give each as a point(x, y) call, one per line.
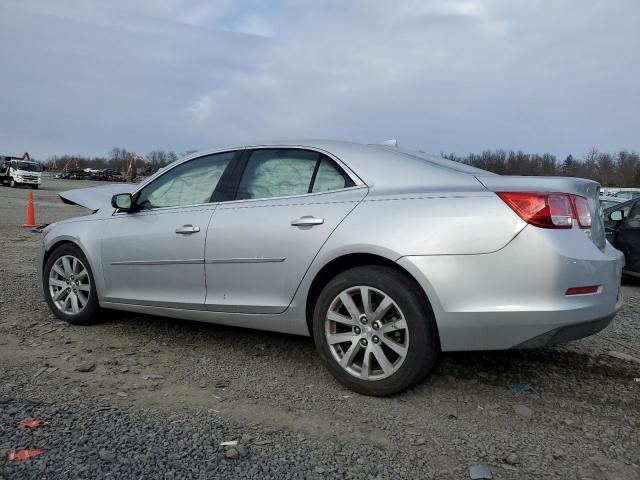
point(94, 198)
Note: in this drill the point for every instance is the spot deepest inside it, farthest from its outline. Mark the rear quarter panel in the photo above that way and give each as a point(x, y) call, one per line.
point(436, 223)
point(428, 223)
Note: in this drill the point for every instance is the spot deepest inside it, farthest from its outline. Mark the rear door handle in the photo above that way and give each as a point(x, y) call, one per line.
point(307, 221)
point(188, 229)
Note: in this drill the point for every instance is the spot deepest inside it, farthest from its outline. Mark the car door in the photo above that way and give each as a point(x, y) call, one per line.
point(155, 254)
point(261, 242)
point(619, 213)
point(627, 239)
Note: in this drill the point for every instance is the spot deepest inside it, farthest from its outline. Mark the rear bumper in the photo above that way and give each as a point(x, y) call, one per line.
point(568, 333)
point(515, 297)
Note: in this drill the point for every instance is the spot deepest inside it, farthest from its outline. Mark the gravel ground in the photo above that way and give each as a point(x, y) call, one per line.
point(148, 397)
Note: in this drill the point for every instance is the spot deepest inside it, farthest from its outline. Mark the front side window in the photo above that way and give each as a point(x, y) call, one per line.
point(285, 172)
point(190, 183)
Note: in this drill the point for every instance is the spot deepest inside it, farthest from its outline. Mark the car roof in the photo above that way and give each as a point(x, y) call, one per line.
point(380, 166)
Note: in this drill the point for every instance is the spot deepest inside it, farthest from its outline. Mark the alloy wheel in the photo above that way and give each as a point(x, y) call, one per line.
point(367, 333)
point(69, 285)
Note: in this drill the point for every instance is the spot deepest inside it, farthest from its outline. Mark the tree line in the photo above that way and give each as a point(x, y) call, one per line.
point(117, 159)
point(619, 169)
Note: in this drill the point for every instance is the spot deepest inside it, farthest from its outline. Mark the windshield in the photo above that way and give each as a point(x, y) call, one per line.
point(29, 167)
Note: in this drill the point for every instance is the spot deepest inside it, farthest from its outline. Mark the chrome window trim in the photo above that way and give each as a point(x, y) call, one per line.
point(150, 211)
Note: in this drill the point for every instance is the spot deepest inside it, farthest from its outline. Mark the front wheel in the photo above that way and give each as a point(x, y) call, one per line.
point(69, 288)
point(35, 187)
point(375, 331)
point(12, 183)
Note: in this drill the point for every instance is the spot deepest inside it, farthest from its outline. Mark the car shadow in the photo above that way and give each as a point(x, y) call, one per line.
point(630, 281)
point(498, 368)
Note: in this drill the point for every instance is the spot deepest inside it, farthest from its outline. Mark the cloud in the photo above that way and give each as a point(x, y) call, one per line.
point(438, 75)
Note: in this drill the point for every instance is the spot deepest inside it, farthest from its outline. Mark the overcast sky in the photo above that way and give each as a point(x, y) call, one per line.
point(81, 76)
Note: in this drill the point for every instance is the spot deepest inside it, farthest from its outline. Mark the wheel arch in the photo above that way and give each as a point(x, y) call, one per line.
point(57, 243)
point(345, 262)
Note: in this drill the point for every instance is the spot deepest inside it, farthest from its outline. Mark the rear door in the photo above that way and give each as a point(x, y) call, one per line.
point(155, 255)
point(261, 242)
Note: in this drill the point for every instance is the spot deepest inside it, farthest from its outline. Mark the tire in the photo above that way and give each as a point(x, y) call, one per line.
point(90, 311)
point(12, 183)
point(410, 348)
point(35, 187)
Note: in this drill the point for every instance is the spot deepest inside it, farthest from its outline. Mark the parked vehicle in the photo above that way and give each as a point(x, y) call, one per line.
point(607, 201)
point(627, 194)
point(622, 224)
point(16, 172)
point(116, 177)
point(385, 256)
point(78, 175)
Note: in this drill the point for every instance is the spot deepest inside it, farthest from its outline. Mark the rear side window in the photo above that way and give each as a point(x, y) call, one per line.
point(329, 177)
point(190, 183)
point(285, 172)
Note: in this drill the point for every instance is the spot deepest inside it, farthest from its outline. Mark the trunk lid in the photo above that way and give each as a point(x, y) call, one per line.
point(576, 186)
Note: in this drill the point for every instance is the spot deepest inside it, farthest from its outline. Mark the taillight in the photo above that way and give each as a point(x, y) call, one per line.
point(549, 210)
point(581, 209)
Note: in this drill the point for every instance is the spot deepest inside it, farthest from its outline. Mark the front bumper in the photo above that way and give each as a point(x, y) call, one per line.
point(515, 297)
point(28, 181)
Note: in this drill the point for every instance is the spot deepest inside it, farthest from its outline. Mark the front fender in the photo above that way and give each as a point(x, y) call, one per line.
point(86, 235)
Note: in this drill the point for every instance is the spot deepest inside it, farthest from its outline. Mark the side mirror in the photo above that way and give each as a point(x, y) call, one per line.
point(616, 216)
point(122, 201)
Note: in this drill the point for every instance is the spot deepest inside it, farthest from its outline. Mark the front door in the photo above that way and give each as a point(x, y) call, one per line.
point(261, 243)
point(155, 255)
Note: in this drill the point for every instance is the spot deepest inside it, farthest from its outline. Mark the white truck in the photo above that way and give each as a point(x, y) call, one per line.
point(16, 171)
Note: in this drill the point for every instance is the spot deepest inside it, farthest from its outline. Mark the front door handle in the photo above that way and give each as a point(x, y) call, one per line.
point(188, 229)
point(307, 221)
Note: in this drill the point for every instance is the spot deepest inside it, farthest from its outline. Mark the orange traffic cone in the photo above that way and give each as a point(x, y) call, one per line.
point(31, 213)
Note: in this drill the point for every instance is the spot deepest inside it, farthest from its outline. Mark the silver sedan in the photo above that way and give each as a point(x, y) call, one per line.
point(385, 256)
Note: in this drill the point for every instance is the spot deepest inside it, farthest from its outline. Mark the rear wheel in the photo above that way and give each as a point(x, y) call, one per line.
point(375, 330)
point(69, 288)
